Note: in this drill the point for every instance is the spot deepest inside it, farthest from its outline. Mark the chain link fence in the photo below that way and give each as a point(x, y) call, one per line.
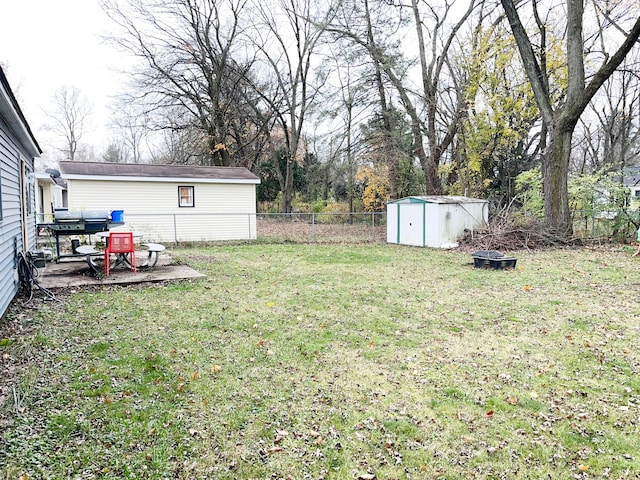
point(323, 227)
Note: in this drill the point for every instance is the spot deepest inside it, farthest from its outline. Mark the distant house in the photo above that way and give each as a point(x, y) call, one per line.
point(631, 180)
point(434, 221)
point(168, 203)
point(18, 148)
point(50, 195)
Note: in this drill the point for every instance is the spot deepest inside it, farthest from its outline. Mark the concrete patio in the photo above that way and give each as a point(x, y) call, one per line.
point(75, 272)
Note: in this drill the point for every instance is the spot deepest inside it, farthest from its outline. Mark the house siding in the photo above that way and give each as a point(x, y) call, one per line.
point(222, 211)
point(11, 223)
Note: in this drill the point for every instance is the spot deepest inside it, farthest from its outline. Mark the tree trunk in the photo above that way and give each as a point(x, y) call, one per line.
point(389, 151)
point(287, 191)
point(555, 171)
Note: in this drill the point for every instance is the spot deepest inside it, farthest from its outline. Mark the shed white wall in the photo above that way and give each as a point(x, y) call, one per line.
point(436, 225)
point(222, 211)
point(409, 222)
point(392, 223)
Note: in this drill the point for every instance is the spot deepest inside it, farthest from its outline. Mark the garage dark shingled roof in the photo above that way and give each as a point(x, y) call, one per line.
point(93, 169)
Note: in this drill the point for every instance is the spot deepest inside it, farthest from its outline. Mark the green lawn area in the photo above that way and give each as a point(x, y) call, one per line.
point(337, 362)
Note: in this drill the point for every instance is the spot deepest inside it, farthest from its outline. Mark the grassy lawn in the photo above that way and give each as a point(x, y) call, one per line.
point(336, 362)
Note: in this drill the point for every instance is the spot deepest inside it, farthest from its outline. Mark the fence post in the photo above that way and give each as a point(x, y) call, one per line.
point(175, 229)
point(373, 227)
point(313, 227)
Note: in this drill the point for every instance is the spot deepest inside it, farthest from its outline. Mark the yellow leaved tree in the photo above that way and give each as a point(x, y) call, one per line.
point(375, 180)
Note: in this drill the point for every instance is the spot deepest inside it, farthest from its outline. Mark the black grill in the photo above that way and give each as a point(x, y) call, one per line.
point(85, 222)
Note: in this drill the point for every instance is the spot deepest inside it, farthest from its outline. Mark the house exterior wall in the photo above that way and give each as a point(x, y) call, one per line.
point(221, 211)
point(48, 197)
point(635, 197)
point(12, 157)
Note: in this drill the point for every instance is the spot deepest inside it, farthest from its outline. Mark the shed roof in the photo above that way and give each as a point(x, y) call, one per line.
point(153, 172)
point(442, 199)
point(11, 112)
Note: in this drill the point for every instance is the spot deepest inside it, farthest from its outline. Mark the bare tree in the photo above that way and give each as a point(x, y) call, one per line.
point(131, 125)
point(193, 60)
point(433, 123)
point(561, 116)
point(610, 134)
point(69, 118)
point(345, 102)
point(287, 36)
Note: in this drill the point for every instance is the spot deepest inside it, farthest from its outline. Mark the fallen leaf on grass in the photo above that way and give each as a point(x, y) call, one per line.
point(490, 414)
point(367, 476)
point(512, 401)
point(273, 450)
point(216, 369)
point(583, 468)
point(280, 434)
point(526, 288)
point(195, 375)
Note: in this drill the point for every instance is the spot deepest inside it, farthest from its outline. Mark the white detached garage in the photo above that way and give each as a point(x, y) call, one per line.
point(434, 221)
point(169, 203)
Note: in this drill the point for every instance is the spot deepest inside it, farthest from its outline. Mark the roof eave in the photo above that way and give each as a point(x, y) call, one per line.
point(10, 111)
point(131, 178)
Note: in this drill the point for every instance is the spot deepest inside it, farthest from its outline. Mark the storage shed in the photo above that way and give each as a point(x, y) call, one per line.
point(434, 221)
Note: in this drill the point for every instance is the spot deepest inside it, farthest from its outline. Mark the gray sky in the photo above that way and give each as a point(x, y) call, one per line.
point(45, 44)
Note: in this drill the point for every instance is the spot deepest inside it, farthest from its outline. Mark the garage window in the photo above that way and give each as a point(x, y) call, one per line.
point(185, 197)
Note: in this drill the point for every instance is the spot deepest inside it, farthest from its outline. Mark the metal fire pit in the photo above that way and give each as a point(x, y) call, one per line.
point(492, 259)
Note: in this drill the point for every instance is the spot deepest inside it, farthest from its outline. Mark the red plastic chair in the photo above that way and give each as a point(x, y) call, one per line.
point(120, 243)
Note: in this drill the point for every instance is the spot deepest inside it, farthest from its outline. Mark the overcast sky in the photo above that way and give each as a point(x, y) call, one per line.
point(45, 44)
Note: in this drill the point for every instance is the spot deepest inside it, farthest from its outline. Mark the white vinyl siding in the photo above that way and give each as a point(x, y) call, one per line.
point(222, 211)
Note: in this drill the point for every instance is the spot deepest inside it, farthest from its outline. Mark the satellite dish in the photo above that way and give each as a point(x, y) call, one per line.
point(53, 172)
